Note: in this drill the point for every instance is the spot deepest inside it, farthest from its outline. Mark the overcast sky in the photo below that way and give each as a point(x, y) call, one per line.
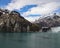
point(32, 9)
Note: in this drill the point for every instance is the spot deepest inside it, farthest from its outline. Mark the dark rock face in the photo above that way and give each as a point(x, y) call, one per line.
point(13, 22)
point(34, 27)
point(45, 29)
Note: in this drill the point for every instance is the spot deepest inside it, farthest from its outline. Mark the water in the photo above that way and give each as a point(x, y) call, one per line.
point(30, 40)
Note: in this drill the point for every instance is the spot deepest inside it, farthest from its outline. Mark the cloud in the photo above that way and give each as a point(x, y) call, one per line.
point(26, 8)
point(43, 7)
point(31, 18)
point(17, 4)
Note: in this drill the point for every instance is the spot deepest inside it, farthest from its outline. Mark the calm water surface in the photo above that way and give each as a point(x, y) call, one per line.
point(30, 40)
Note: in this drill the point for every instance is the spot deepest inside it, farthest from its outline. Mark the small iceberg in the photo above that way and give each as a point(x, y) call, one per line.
point(55, 29)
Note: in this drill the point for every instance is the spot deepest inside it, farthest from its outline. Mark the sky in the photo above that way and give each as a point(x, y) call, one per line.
point(32, 9)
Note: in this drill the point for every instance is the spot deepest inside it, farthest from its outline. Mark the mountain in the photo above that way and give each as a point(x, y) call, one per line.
point(12, 21)
point(49, 21)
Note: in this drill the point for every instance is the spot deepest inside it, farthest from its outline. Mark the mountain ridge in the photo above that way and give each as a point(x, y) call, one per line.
point(49, 21)
point(12, 21)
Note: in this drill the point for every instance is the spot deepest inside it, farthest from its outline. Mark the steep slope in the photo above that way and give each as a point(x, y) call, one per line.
point(12, 21)
point(49, 21)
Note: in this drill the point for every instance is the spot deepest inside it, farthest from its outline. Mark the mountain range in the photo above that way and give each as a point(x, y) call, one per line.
point(49, 21)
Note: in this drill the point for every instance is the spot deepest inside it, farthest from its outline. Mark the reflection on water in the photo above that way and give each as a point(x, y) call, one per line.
point(30, 40)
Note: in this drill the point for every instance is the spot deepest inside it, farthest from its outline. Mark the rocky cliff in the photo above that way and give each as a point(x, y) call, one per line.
point(12, 21)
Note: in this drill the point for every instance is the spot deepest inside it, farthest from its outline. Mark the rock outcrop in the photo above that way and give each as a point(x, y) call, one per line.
point(13, 22)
